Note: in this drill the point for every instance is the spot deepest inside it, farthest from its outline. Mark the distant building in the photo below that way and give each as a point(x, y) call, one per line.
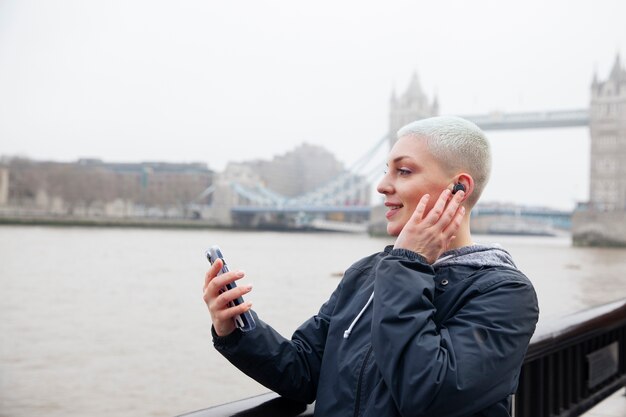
point(156, 182)
point(91, 187)
point(412, 105)
point(298, 171)
point(602, 221)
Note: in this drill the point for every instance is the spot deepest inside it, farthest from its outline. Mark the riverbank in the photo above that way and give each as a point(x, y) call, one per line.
point(164, 223)
point(134, 222)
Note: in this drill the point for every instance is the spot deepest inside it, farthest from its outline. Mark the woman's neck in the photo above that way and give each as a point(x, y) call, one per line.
point(463, 235)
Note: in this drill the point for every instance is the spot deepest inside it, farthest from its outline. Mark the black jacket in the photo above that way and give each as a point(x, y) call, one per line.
point(442, 340)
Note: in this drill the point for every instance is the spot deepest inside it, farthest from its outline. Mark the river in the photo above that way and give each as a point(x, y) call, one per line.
point(106, 321)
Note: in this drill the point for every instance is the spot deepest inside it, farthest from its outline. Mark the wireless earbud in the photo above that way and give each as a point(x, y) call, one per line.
point(458, 187)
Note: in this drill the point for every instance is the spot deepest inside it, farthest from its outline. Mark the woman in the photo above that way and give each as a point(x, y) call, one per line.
point(434, 325)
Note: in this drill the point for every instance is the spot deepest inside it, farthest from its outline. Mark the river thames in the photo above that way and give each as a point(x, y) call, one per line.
point(108, 321)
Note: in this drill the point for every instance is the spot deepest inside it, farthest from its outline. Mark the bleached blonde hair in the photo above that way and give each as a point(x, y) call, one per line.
point(458, 144)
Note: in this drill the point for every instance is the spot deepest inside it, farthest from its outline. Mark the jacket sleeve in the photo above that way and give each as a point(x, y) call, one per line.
point(465, 364)
point(289, 367)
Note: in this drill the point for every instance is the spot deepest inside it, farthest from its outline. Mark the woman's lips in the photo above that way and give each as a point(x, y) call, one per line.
point(393, 209)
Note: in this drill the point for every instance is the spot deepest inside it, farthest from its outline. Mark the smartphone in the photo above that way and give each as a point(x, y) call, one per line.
point(244, 322)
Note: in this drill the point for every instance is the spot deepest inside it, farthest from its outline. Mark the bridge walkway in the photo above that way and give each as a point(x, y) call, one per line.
point(613, 406)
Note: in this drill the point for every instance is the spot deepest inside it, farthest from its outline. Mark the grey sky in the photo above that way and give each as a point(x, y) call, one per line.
point(220, 81)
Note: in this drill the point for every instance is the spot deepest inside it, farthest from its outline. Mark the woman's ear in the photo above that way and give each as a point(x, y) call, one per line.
point(465, 182)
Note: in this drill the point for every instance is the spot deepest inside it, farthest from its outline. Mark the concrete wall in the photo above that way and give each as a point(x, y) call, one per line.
point(4, 186)
point(599, 228)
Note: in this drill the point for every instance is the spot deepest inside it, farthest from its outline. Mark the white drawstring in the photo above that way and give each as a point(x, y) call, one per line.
point(346, 334)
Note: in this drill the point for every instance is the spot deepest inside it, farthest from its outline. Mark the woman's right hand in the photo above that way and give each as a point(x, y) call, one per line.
point(222, 314)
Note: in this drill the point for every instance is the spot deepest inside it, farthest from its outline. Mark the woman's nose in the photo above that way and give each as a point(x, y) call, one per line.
point(384, 187)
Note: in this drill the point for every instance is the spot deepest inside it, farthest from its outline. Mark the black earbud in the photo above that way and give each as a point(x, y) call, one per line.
point(458, 187)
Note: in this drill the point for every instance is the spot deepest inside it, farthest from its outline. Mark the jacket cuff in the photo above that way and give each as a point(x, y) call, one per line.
point(226, 341)
point(406, 253)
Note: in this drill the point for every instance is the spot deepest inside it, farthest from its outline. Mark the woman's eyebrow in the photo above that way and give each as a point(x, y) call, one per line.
point(400, 158)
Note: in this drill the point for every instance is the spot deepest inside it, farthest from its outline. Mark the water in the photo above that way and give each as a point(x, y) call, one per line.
point(104, 322)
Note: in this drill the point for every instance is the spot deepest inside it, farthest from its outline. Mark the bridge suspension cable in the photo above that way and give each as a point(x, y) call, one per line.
point(347, 188)
point(366, 157)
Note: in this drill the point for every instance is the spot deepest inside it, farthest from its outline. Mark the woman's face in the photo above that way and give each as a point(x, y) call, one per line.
point(411, 172)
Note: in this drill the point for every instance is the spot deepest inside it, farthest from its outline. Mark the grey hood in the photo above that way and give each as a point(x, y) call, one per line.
point(476, 255)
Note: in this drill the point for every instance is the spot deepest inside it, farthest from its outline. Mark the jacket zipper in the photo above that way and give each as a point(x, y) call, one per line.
point(360, 380)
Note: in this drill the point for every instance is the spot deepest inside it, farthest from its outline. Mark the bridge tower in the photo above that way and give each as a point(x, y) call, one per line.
point(410, 106)
point(603, 220)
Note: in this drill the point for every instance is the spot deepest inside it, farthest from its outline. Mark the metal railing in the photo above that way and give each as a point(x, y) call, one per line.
point(574, 363)
point(571, 365)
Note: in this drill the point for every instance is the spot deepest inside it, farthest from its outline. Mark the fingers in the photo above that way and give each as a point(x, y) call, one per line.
point(454, 224)
point(221, 302)
point(215, 294)
point(227, 297)
point(418, 214)
point(431, 233)
point(214, 282)
point(224, 319)
point(452, 209)
point(435, 213)
point(212, 272)
point(228, 314)
point(442, 210)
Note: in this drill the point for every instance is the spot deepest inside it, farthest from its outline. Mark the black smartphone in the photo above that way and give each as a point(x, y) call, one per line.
point(244, 322)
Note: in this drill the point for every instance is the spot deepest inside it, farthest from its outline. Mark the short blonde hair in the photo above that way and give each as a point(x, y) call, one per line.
point(458, 144)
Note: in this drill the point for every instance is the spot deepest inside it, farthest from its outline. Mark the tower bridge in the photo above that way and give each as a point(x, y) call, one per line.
point(531, 120)
point(345, 198)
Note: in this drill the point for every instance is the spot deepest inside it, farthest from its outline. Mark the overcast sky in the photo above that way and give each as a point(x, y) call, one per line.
point(227, 81)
